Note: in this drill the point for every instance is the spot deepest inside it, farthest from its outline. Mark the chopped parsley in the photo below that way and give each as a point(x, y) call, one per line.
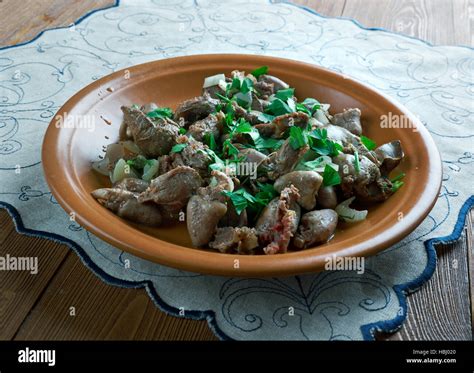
point(330, 176)
point(178, 148)
point(398, 177)
point(160, 113)
point(210, 141)
point(278, 107)
point(259, 71)
point(321, 144)
point(270, 144)
point(241, 199)
point(397, 183)
point(368, 143)
point(285, 94)
point(297, 137)
point(356, 162)
point(138, 162)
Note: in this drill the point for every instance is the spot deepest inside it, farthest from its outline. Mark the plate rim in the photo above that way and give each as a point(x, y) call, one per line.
point(202, 261)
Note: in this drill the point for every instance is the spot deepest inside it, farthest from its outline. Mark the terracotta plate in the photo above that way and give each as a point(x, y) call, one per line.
point(68, 152)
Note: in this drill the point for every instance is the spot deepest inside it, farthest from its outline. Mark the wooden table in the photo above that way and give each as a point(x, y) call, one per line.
point(38, 307)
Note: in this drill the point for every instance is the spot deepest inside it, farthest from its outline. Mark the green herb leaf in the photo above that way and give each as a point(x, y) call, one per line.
point(398, 177)
point(223, 98)
point(231, 150)
point(265, 194)
point(291, 104)
point(241, 199)
point(267, 143)
point(298, 138)
point(302, 108)
point(278, 107)
point(182, 130)
point(262, 117)
point(311, 104)
point(320, 133)
point(368, 143)
point(138, 162)
point(285, 94)
point(246, 85)
point(160, 113)
point(210, 141)
point(245, 127)
point(331, 176)
point(356, 161)
point(321, 144)
point(259, 71)
point(178, 148)
point(397, 185)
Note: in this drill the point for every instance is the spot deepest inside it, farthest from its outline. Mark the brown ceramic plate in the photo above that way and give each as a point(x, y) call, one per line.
point(68, 152)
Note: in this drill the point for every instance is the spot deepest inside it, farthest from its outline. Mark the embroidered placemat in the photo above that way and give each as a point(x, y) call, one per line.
point(436, 83)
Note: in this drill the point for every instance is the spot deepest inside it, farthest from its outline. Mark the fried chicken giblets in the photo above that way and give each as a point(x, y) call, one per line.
point(251, 167)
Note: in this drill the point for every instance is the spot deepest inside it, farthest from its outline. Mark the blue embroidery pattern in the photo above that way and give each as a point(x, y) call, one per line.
point(436, 83)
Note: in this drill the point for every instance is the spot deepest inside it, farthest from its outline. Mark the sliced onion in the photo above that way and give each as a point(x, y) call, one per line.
point(213, 80)
point(114, 152)
point(130, 146)
point(223, 84)
point(349, 214)
point(150, 169)
point(102, 166)
point(122, 171)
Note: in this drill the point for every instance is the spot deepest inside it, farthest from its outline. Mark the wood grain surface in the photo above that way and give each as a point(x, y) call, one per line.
point(65, 300)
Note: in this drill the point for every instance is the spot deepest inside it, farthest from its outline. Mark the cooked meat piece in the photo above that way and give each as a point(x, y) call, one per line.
point(125, 204)
point(377, 191)
point(307, 183)
point(366, 184)
point(350, 177)
point(193, 155)
point(194, 109)
point(154, 138)
point(202, 215)
point(327, 198)
point(349, 141)
point(278, 84)
point(258, 104)
point(350, 120)
point(278, 222)
point(212, 124)
point(264, 89)
point(342, 136)
point(269, 84)
point(315, 227)
point(207, 208)
point(251, 155)
point(229, 239)
point(389, 155)
point(240, 112)
point(281, 124)
point(165, 163)
point(284, 160)
point(132, 184)
point(173, 188)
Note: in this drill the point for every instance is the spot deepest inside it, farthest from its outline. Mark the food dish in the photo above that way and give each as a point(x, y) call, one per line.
point(248, 166)
point(68, 152)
